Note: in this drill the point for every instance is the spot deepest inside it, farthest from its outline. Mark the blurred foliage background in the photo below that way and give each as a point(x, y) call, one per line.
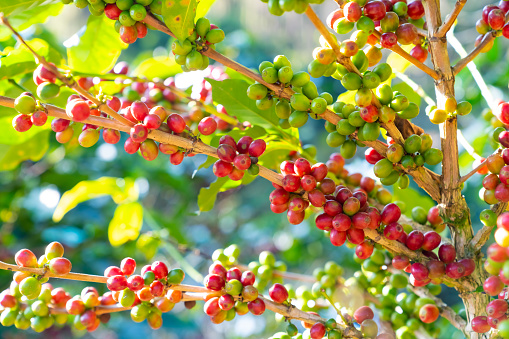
point(30, 191)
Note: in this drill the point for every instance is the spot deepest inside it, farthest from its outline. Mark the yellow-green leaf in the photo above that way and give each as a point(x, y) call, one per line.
point(203, 8)
point(120, 190)
point(179, 16)
point(126, 223)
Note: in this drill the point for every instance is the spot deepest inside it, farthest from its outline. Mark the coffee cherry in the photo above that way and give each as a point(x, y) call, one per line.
point(414, 240)
point(222, 168)
point(75, 306)
point(291, 182)
point(112, 271)
point(25, 258)
point(355, 235)
point(375, 10)
point(22, 122)
point(88, 137)
point(278, 293)
point(364, 250)
point(455, 270)
point(419, 271)
point(318, 330)
point(257, 147)
point(218, 269)
point(242, 162)
point(496, 308)
point(447, 253)
point(480, 324)
point(78, 110)
point(116, 283)
point(390, 213)
point(493, 285)
point(60, 266)
point(30, 287)
point(363, 313)
point(256, 307)
point(393, 231)
point(207, 126)
point(25, 103)
point(128, 34)
point(243, 144)
point(214, 282)
point(429, 313)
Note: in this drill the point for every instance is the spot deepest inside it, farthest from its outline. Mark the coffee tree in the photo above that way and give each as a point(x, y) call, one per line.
point(247, 123)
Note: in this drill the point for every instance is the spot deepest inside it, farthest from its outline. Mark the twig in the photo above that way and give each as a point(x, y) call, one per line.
point(69, 82)
point(478, 78)
point(451, 18)
point(487, 38)
point(404, 54)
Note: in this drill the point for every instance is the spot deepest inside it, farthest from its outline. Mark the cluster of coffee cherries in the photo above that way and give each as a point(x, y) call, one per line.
point(237, 157)
point(415, 152)
point(300, 176)
point(149, 293)
point(439, 266)
point(236, 293)
point(51, 260)
point(30, 113)
point(396, 20)
point(298, 6)
point(264, 269)
point(495, 184)
point(493, 18)
point(204, 36)
point(451, 109)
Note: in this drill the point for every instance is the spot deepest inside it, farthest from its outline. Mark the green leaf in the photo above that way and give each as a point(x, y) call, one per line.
point(32, 149)
point(231, 93)
point(207, 196)
point(275, 154)
point(96, 48)
point(347, 97)
point(23, 19)
point(157, 67)
point(126, 223)
point(407, 91)
point(16, 6)
point(21, 60)
point(10, 136)
point(120, 190)
point(178, 15)
point(203, 8)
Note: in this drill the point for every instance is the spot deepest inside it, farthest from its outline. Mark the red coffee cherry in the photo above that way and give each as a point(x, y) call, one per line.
point(278, 293)
point(78, 110)
point(257, 148)
point(363, 313)
point(447, 253)
point(429, 313)
point(400, 262)
point(128, 265)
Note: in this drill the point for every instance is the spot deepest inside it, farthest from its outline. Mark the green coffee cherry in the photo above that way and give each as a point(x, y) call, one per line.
point(263, 65)
point(48, 90)
point(383, 168)
point(344, 127)
point(361, 39)
point(140, 312)
point(127, 298)
point(335, 139)
point(407, 161)
point(257, 91)
point(433, 156)
point(348, 149)
point(138, 12)
point(395, 152)
point(363, 97)
point(281, 61)
point(355, 119)
point(310, 90)
point(384, 94)
point(202, 26)
point(384, 71)
point(341, 70)
point(285, 74)
point(298, 119)
point(464, 108)
point(386, 114)
point(21, 322)
point(351, 81)
point(284, 123)
point(254, 169)
point(419, 160)
point(343, 26)
point(81, 3)
point(371, 131)
point(360, 60)
point(30, 287)
point(399, 103)
point(300, 79)
point(175, 276)
point(287, 5)
point(215, 36)
point(365, 24)
point(410, 112)
point(125, 19)
point(419, 214)
point(283, 109)
point(426, 143)
point(330, 127)
point(316, 69)
point(400, 8)
point(264, 103)
point(390, 22)
point(391, 179)
point(194, 60)
point(300, 102)
point(181, 48)
point(25, 104)
point(318, 105)
point(413, 144)
point(330, 70)
point(371, 80)
point(274, 8)
point(337, 107)
point(347, 110)
point(328, 97)
point(269, 75)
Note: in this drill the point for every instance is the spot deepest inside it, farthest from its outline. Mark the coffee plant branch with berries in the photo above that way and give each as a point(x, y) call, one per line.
point(239, 124)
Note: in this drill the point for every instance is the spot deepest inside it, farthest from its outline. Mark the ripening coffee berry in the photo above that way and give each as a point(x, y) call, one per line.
point(60, 266)
point(429, 313)
point(363, 313)
point(22, 122)
point(78, 110)
point(447, 253)
point(25, 258)
point(278, 293)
